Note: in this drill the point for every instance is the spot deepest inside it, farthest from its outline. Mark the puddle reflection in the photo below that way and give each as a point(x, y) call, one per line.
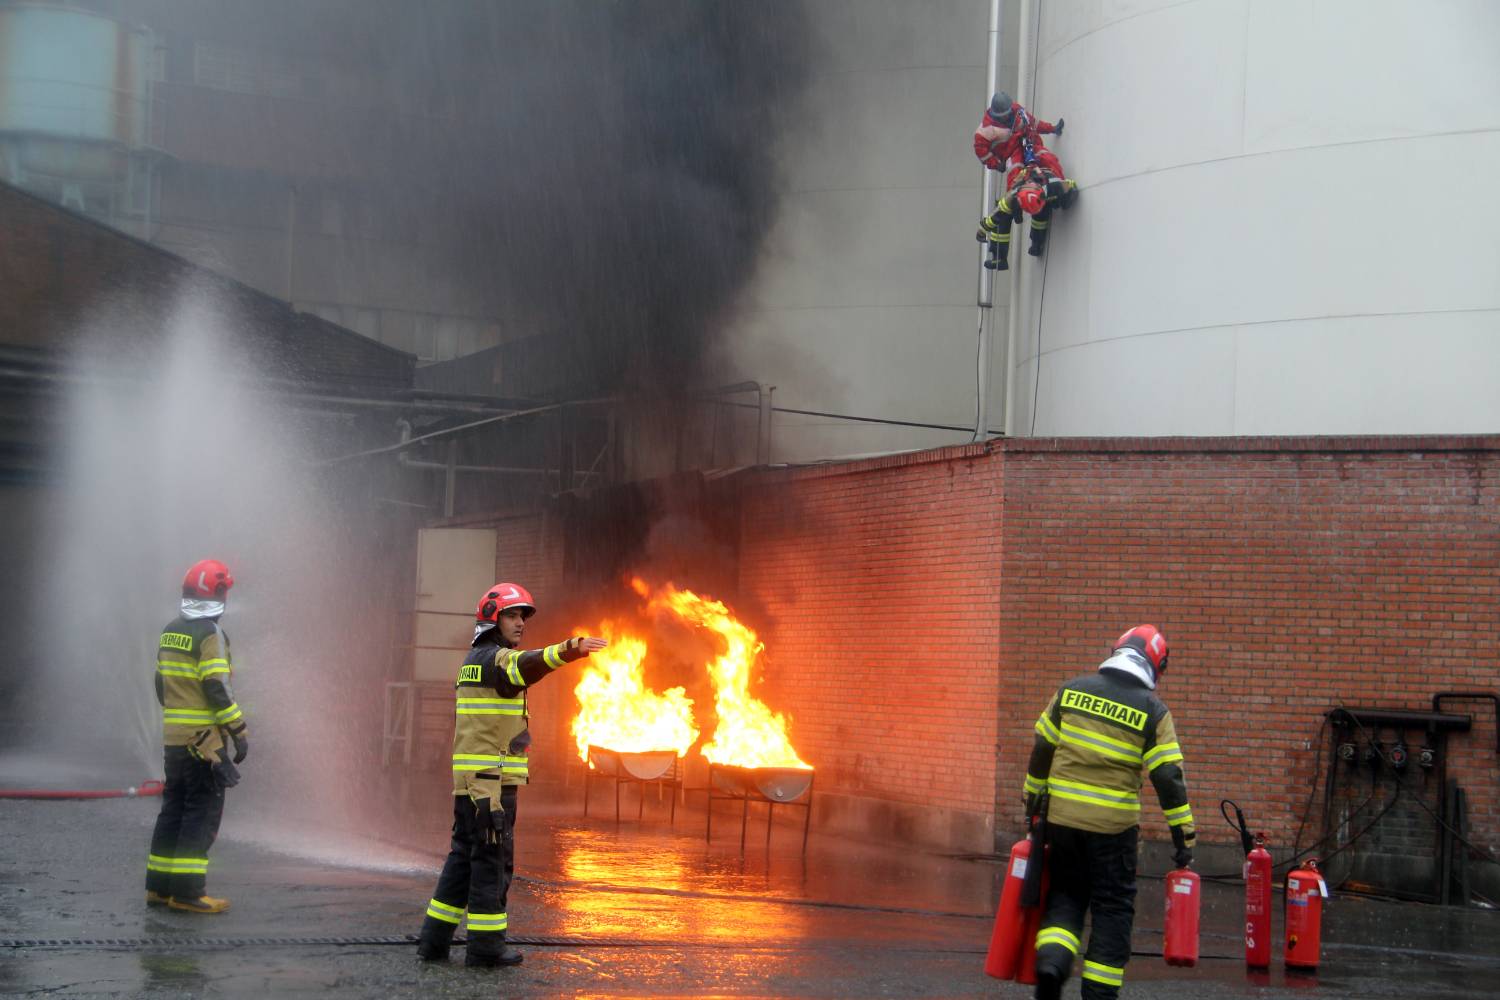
point(593, 858)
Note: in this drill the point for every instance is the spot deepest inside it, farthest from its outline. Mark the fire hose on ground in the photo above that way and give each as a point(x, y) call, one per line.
point(145, 788)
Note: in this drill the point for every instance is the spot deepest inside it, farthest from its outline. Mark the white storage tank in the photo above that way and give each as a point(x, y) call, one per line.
point(1289, 222)
point(75, 92)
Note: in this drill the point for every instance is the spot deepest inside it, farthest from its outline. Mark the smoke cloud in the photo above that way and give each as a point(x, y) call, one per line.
point(601, 172)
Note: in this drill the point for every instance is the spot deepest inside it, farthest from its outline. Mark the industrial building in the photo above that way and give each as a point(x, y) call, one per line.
point(204, 130)
point(1244, 396)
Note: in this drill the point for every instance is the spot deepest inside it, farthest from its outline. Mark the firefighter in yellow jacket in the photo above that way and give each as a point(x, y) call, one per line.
point(1098, 733)
point(490, 760)
point(199, 718)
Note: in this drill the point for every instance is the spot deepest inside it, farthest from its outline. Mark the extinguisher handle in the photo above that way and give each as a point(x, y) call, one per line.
point(1031, 889)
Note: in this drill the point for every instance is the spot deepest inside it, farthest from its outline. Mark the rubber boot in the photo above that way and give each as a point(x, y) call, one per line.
point(435, 940)
point(998, 259)
point(203, 904)
point(488, 950)
point(1048, 985)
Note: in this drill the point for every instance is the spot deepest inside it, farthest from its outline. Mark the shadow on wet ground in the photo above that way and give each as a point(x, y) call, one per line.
point(634, 909)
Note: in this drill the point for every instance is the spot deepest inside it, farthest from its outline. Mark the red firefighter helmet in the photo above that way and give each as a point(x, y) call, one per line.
point(501, 597)
point(1149, 642)
point(1031, 199)
point(207, 579)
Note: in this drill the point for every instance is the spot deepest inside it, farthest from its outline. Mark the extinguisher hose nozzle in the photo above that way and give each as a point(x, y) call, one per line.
point(1238, 823)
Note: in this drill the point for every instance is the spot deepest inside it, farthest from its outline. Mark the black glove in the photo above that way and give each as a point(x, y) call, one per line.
point(226, 775)
point(489, 821)
point(241, 744)
point(1182, 857)
point(1057, 129)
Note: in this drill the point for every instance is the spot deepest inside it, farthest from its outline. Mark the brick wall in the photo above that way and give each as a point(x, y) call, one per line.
point(926, 607)
point(881, 581)
point(1290, 575)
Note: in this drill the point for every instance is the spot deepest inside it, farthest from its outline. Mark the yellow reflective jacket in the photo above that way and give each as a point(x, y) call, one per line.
point(192, 680)
point(491, 741)
point(1098, 735)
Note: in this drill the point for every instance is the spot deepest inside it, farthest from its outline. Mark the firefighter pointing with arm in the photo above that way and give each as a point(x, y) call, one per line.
point(1098, 734)
point(490, 761)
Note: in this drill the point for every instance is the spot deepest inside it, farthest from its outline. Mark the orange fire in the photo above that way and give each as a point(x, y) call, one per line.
point(748, 734)
point(617, 710)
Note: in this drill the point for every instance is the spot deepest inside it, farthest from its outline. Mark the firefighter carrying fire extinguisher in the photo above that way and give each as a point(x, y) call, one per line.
point(491, 743)
point(1092, 741)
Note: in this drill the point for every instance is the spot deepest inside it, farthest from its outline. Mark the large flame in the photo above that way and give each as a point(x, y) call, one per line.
point(748, 734)
point(615, 708)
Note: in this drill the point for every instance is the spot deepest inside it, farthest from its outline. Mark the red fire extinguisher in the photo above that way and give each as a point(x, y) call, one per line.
point(1258, 905)
point(1305, 892)
point(1010, 920)
point(1181, 930)
point(1017, 920)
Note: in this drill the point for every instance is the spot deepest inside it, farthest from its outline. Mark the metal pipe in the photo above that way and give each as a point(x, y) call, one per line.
point(450, 477)
point(291, 239)
point(985, 297)
point(1437, 705)
point(433, 435)
point(1013, 322)
point(453, 466)
point(428, 403)
point(763, 427)
point(858, 419)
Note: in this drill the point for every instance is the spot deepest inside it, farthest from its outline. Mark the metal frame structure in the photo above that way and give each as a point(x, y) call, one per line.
point(716, 793)
point(621, 775)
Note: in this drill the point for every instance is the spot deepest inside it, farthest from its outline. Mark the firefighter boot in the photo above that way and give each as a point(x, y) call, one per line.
point(490, 949)
point(202, 904)
point(998, 240)
point(1048, 985)
point(435, 939)
point(157, 898)
point(1038, 241)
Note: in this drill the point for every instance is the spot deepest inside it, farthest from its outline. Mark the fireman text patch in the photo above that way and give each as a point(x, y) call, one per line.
point(470, 673)
point(1131, 718)
point(176, 640)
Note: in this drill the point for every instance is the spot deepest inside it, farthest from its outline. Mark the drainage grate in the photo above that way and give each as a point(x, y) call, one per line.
point(404, 940)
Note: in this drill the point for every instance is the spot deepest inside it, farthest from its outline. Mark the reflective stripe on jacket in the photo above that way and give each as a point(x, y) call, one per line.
point(192, 679)
point(1100, 733)
point(490, 736)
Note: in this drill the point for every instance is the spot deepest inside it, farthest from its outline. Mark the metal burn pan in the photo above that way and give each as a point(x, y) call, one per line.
point(651, 767)
point(645, 766)
point(771, 785)
point(774, 784)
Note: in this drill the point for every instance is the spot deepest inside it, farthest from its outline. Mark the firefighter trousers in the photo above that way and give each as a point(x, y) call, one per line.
point(1007, 215)
point(192, 804)
point(1091, 873)
point(476, 877)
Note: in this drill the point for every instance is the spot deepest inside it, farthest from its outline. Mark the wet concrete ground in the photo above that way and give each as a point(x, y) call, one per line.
point(642, 909)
